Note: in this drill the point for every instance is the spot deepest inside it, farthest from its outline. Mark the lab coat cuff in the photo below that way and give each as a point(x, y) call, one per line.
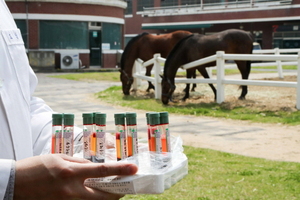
point(5, 170)
point(9, 195)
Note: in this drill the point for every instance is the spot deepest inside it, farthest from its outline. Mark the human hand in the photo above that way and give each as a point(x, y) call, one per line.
point(58, 176)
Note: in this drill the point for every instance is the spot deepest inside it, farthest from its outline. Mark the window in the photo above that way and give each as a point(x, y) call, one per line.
point(63, 35)
point(21, 24)
point(169, 3)
point(190, 2)
point(128, 10)
point(145, 4)
point(112, 34)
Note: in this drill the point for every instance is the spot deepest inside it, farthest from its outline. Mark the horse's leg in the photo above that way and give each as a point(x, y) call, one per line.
point(245, 68)
point(204, 73)
point(189, 74)
point(148, 73)
point(194, 85)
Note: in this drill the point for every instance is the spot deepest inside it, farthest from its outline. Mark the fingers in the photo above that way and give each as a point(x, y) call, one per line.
point(100, 195)
point(73, 159)
point(94, 170)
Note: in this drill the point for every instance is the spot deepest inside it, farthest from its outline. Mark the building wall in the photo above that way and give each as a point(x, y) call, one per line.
point(258, 20)
point(110, 11)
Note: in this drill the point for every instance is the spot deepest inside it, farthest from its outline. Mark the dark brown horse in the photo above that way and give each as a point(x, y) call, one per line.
point(144, 46)
point(197, 46)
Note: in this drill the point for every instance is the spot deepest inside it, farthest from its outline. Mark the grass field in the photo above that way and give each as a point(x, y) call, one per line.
point(115, 96)
point(215, 175)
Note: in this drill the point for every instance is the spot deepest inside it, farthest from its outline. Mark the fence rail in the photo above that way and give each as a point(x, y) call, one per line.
point(207, 6)
point(220, 57)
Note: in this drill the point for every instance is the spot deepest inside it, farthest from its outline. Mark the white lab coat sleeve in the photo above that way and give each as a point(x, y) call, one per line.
point(5, 168)
point(41, 125)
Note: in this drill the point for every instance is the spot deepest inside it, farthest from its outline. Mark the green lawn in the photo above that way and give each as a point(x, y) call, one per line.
point(214, 175)
point(115, 96)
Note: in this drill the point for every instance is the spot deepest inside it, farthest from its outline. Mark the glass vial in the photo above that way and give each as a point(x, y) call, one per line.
point(132, 140)
point(121, 145)
point(87, 132)
point(93, 138)
point(68, 134)
point(148, 131)
point(100, 137)
point(165, 132)
point(57, 125)
point(154, 120)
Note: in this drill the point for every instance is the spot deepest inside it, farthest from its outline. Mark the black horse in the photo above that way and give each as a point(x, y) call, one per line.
point(195, 47)
point(143, 46)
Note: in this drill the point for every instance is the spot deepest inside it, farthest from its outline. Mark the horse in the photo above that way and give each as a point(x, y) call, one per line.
point(195, 47)
point(143, 46)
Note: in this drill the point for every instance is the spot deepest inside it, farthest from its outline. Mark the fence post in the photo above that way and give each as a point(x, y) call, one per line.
point(298, 82)
point(157, 78)
point(279, 64)
point(220, 76)
point(136, 70)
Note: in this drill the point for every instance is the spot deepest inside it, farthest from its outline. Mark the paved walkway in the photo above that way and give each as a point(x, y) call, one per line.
point(274, 142)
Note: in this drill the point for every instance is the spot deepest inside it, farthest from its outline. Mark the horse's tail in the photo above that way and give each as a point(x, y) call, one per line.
point(128, 47)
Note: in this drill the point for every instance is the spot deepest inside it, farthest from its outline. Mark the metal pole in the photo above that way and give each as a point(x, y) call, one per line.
point(27, 24)
point(298, 82)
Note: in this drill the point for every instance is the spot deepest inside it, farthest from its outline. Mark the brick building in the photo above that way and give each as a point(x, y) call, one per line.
point(275, 23)
point(97, 29)
point(90, 29)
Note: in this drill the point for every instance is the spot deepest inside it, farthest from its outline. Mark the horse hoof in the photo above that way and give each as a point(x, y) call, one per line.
point(242, 98)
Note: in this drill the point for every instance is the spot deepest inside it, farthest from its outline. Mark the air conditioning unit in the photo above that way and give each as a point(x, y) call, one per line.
point(69, 60)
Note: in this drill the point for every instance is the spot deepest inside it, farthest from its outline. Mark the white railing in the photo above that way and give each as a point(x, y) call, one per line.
point(195, 8)
point(277, 63)
point(220, 57)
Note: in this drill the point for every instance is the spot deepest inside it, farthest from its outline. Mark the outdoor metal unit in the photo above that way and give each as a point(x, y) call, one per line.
point(69, 60)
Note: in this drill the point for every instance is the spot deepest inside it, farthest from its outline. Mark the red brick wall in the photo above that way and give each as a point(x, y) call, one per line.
point(66, 8)
point(33, 34)
point(109, 60)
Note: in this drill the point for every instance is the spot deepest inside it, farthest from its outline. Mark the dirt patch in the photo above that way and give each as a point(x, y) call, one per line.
point(259, 97)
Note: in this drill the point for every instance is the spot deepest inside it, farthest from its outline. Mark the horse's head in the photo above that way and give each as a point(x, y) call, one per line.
point(127, 81)
point(167, 89)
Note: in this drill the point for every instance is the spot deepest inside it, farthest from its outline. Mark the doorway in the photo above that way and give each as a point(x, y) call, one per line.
point(95, 47)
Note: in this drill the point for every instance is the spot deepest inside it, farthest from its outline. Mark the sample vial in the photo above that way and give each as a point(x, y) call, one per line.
point(165, 132)
point(68, 134)
point(93, 138)
point(87, 132)
point(154, 120)
point(100, 137)
point(121, 145)
point(132, 140)
point(57, 125)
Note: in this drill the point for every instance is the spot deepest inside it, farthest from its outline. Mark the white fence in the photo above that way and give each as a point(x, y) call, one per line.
point(220, 57)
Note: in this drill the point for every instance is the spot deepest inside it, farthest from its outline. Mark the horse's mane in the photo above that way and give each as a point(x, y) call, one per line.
point(128, 46)
point(172, 52)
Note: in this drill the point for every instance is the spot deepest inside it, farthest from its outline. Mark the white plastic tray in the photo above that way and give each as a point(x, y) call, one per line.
point(156, 173)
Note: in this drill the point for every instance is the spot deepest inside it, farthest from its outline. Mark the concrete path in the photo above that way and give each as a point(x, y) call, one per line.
point(274, 142)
